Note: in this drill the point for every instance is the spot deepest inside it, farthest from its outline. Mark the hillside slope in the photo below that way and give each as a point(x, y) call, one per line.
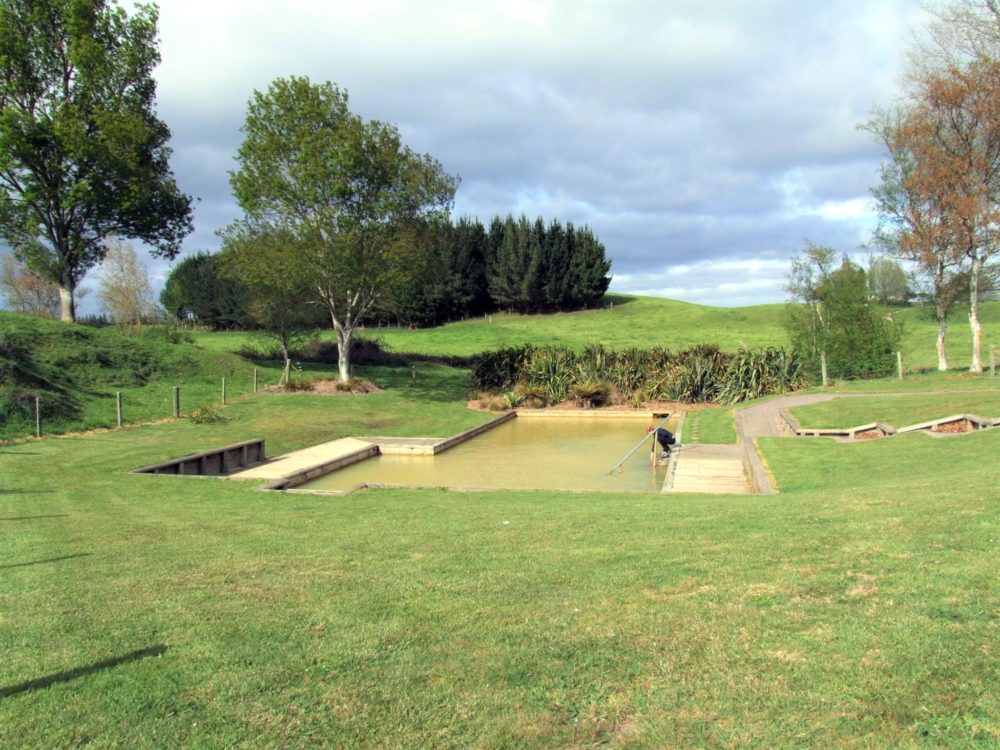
point(76, 370)
point(628, 321)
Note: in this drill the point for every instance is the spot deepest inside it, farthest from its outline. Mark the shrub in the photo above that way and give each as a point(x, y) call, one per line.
point(364, 351)
point(551, 368)
point(590, 393)
point(297, 385)
point(532, 396)
point(500, 370)
point(752, 374)
point(207, 415)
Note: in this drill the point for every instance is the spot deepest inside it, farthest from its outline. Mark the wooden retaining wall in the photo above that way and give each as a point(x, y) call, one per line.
point(214, 463)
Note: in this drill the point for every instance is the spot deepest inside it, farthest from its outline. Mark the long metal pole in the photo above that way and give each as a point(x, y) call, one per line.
point(652, 433)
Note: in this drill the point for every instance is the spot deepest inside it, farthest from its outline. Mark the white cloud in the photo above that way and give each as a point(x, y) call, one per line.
point(684, 133)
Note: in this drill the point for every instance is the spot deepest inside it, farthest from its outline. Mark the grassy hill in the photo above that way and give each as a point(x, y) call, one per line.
point(627, 321)
point(76, 371)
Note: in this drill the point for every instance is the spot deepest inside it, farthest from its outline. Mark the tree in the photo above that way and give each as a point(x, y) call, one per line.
point(956, 143)
point(588, 267)
point(82, 154)
point(342, 192)
point(831, 315)
point(124, 289)
point(915, 218)
point(469, 264)
point(27, 292)
point(196, 290)
point(887, 282)
point(269, 269)
point(953, 138)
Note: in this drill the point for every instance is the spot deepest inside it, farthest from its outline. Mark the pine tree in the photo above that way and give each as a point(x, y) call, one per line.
point(588, 268)
point(557, 259)
point(468, 266)
point(506, 286)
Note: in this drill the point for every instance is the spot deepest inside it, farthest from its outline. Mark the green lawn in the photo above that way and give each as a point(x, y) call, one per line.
point(858, 607)
point(899, 411)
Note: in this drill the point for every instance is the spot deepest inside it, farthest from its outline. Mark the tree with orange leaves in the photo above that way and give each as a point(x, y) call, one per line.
point(940, 190)
point(913, 222)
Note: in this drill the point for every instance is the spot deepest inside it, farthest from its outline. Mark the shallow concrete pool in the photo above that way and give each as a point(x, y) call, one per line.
point(554, 453)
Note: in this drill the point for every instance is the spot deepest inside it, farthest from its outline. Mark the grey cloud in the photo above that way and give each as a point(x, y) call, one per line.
point(678, 131)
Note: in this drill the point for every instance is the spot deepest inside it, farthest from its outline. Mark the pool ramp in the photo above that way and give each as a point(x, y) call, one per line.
point(326, 456)
point(705, 468)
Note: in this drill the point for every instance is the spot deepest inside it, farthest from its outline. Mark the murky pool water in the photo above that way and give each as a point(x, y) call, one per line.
point(558, 453)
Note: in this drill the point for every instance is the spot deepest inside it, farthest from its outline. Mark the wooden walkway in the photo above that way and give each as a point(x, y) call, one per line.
point(703, 468)
point(735, 469)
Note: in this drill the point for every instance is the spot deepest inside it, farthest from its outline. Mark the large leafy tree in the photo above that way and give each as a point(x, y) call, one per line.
point(346, 193)
point(82, 154)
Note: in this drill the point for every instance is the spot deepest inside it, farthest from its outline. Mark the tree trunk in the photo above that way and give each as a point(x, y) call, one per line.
point(942, 333)
point(67, 303)
point(344, 336)
point(287, 372)
point(974, 324)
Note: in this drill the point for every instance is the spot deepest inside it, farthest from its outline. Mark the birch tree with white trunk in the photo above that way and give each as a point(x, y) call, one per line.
point(345, 192)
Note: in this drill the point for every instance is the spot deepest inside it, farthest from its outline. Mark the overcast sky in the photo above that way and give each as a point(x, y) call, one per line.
point(703, 142)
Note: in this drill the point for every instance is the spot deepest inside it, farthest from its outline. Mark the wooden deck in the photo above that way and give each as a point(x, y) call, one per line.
point(703, 468)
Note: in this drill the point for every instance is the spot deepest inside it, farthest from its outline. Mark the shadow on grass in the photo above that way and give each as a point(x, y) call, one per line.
point(32, 518)
point(72, 674)
point(4, 491)
point(47, 560)
point(616, 299)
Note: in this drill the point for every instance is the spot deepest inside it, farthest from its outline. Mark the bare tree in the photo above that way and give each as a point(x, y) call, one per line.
point(27, 292)
point(125, 291)
point(960, 31)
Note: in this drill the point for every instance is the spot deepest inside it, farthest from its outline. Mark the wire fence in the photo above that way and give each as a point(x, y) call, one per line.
point(168, 402)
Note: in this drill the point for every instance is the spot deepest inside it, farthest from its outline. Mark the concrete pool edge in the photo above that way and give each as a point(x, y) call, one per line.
point(305, 481)
point(419, 446)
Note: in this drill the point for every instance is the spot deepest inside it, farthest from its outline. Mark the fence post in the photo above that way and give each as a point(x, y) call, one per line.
point(993, 361)
point(38, 417)
point(118, 404)
point(822, 364)
point(223, 390)
point(255, 380)
point(899, 364)
point(177, 401)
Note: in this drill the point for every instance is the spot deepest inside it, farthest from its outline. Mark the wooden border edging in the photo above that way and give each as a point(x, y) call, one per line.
point(213, 462)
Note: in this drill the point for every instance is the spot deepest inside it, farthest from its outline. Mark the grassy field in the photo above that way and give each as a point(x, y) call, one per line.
point(858, 607)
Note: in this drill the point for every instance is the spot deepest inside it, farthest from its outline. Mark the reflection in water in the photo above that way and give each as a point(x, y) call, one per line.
point(559, 453)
